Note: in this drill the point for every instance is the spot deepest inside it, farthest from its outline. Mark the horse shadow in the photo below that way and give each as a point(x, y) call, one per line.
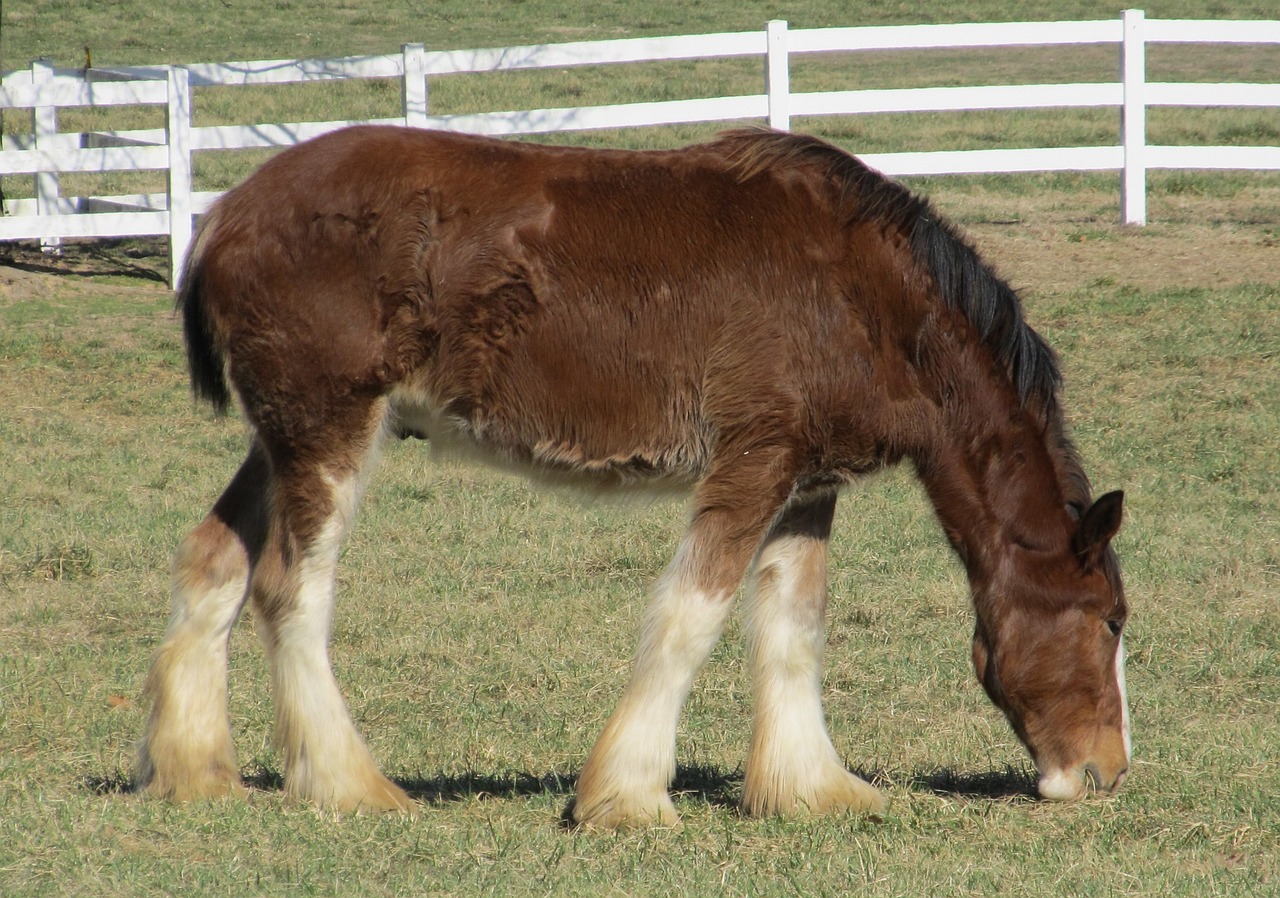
point(714, 786)
point(705, 783)
point(1009, 784)
point(699, 782)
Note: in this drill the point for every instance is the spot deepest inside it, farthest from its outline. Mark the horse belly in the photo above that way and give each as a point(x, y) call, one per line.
point(600, 423)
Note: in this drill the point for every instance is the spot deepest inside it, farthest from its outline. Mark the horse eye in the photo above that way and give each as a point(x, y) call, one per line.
point(1114, 626)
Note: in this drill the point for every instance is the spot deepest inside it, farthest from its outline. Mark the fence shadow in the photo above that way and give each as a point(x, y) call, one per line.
point(130, 257)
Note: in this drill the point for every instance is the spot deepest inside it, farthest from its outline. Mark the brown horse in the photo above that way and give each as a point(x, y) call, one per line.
point(760, 318)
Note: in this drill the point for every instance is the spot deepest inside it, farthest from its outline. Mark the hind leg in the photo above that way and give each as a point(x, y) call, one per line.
point(792, 767)
point(325, 760)
point(625, 778)
point(186, 752)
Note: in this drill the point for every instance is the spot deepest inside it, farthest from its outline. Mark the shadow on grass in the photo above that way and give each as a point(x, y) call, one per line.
point(703, 783)
point(696, 782)
point(130, 257)
point(1010, 783)
point(709, 784)
point(117, 783)
point(444, 787)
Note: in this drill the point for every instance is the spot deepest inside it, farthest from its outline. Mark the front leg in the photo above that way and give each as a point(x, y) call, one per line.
point(793, 768)
point(625, 779)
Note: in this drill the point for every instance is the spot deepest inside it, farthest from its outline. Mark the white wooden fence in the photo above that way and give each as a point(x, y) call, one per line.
point(47, 152)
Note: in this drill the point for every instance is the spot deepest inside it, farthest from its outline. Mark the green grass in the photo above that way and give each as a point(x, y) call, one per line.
point(243, 29)
point(484, 628)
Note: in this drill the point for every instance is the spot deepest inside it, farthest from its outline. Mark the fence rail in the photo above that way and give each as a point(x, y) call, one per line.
point(47, 152)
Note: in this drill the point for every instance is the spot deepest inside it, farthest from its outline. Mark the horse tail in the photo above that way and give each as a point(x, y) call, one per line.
point(206, 360)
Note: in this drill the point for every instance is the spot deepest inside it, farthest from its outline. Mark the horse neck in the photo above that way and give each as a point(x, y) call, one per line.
point(999, 478)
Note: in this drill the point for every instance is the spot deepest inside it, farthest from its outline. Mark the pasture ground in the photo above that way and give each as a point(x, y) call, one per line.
point(484, 629)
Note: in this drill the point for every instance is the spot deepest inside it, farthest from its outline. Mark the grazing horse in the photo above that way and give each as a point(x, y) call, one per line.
point(759, 319)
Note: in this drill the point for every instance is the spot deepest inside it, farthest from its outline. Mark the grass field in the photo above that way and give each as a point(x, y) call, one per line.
point(484, 628)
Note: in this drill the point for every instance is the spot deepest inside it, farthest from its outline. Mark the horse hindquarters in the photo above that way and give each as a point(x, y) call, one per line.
point(299, 335)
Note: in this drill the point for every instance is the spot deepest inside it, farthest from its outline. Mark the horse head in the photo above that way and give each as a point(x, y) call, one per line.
point(1048, 649)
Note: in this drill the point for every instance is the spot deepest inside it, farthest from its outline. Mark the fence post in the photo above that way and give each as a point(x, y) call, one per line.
point(1133, 119)
point(180, 170)
point(777, 75)
point(413, 91)
point(45, 121)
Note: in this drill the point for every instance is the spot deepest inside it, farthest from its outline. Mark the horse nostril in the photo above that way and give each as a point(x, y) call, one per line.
point(1093, 780)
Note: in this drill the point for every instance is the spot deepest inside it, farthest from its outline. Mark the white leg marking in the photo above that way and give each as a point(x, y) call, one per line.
point(313, 726)
point(195, 648)
point(793, 766)
point(625, 778)
point(326, 761)
point(187, 751)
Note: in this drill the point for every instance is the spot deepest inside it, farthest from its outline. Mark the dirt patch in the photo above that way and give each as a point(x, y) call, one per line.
point(1047, 257)
point(101, 266)
point(17, 284)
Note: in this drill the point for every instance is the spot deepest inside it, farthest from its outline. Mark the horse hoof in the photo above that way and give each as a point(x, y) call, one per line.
point(838, 793)
point(616, 813)
point(388, 798)
point(216, 786)
point(373, 794)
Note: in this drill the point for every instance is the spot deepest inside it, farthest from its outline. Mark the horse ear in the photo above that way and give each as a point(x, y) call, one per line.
point(1097, 526)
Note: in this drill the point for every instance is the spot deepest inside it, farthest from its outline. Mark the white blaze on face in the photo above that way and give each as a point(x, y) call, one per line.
point(1062, 785)
point(1124, 701)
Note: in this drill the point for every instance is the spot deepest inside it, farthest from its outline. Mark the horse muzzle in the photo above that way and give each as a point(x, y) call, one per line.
point(1067, 785)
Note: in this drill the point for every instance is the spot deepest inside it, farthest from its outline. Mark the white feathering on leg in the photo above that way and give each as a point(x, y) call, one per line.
point(793, 767)
point(624, 781)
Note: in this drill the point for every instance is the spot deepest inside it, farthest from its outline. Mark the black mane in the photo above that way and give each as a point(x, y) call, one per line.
point(964, 280)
